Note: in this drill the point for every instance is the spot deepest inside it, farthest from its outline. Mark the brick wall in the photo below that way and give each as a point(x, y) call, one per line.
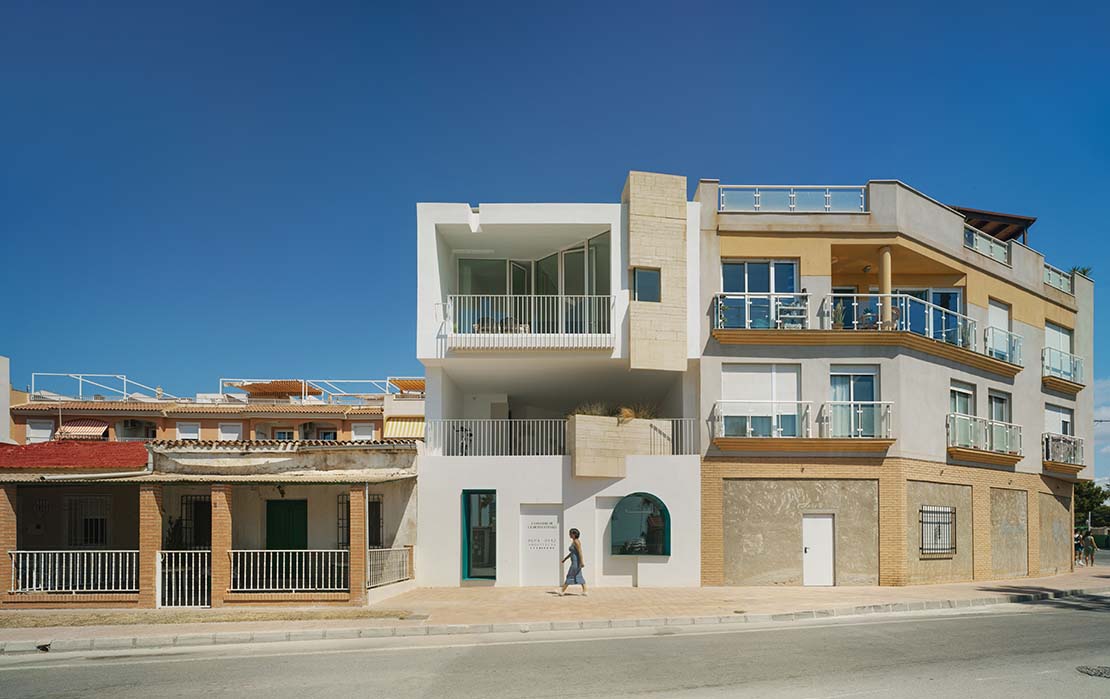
point(358, 544)
point(8, 534)
point(892, 475)
point(150, 542)
point(221, 543)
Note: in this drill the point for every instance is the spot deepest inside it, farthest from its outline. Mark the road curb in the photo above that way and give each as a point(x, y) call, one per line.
point(238, 637)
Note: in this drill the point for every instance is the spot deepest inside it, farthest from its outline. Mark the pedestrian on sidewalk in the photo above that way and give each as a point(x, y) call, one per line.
point(1089, 548)
point(1078, 548)
point(574, 573)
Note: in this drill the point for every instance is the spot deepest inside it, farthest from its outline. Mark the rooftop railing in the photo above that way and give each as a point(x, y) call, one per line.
point(985, 244)
point(1056, 277)
point(1062, 448)
point(761, 311)
point(970, 432)
point(1062, 365)
point(906, 313)
point(802, 199)
point(487, 321)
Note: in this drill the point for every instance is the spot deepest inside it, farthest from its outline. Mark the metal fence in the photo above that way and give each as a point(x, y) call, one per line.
point(899, 312)
point(185, 578)
point(387, 566)
point(678, 437)
point(988, 245)
point(1062, 365)
point(1058, 278)
point(1003, 344)
point(290, 570)
point(856, 420)
point(542, 437)
point(75, 571)
point(760, 418)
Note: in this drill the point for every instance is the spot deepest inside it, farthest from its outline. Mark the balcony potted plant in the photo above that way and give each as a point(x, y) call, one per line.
point(838, 315)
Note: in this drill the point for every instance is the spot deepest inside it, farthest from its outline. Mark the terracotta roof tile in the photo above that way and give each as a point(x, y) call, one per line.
point(170, 408)
point(115, 406)
point(120, 456)
point(283, 444)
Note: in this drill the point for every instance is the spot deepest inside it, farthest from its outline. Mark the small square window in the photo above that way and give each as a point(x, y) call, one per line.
point(645, 284)
point(938, 530)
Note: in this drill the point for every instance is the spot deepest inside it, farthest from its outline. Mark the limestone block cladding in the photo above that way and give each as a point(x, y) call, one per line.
point(656, 222)
point(598, 445)
point(1007, 524)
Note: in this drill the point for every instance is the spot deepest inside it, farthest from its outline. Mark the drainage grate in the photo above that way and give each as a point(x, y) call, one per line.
point(1095, 671)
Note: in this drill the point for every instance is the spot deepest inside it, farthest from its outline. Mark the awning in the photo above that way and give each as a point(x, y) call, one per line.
point(404, 428)
point(408, 384)
point(82, 429)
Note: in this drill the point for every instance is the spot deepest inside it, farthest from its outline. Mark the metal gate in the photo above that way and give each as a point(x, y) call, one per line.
point(185, 578)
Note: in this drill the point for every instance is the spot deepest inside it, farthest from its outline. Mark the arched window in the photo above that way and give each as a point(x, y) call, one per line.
point(640, 526)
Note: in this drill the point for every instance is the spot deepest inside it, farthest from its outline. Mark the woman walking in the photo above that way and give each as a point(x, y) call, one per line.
point(1089, 548)
point(574, 573)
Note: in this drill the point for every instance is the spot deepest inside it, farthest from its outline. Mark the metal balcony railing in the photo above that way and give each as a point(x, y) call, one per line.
point(856, 420)
point(810, 199)
point(1062, 448)
point(1062, 365)
point(540, 437)
point(988, 245)
point(482, 321)
point(1003, 344)
point(970, 432)
point(75, 571)
point(907, 313)
point(185, 578)
point(760, 311)
point(753, 418)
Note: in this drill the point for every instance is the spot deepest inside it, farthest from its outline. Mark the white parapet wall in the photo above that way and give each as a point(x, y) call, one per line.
point(542, 489)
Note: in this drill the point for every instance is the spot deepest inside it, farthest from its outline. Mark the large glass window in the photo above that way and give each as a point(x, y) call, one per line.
point(646, 284)
point(547, 275)
point(640, 526)
point(482, 277)
point(961, 403)
point(598, 251)
point(853, 411)
point(480, 534)
point(762, 289)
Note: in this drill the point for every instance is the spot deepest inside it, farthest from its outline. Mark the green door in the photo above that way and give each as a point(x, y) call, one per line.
point(287, 524)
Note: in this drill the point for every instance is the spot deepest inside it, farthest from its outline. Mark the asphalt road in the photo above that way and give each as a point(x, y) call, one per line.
point(1004, 651)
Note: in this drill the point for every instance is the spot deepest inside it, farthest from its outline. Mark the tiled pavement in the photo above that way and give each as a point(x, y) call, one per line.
point(492, 605)
point(483, 609)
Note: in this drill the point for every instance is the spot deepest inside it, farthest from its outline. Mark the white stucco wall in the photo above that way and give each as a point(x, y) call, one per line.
point(522, 483)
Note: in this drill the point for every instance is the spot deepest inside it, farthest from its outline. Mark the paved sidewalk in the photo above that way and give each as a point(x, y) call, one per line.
point(492, 605)
point(434, 611)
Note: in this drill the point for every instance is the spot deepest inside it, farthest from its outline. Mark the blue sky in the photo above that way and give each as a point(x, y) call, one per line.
point(229, 189)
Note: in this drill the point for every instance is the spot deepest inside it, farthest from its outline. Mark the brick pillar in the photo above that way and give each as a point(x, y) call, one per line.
point(412, 560)
point(8, 535)
point(982, 567)
point(150, 542)
point(357, 541)
point(221, 543)
point(892, 524)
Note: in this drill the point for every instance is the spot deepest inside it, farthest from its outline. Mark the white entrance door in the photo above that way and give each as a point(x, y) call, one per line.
point(817, 550)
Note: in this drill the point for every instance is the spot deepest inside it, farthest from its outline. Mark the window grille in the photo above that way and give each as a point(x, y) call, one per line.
point(343, 520)
point(87, 521)
point(938, 530)
point(196, 522)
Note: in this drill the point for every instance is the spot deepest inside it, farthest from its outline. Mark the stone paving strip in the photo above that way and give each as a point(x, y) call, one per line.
point(217, 638)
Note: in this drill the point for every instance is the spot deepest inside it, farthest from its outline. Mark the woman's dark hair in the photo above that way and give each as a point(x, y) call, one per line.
point(574, 533)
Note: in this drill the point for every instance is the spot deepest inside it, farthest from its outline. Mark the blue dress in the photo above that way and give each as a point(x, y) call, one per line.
point(574, 575)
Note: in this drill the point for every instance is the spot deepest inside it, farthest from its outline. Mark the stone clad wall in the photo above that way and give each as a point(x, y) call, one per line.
point(763, 533)
point(1056, 534)
point(932, 568)
point(598, 445)
point(656, 223)
point(1009, 533)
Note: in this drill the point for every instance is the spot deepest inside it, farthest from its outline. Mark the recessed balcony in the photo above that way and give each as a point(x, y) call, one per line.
point(981, 440)
point(1061, 371)
point(1062, 453)
point(523, 322)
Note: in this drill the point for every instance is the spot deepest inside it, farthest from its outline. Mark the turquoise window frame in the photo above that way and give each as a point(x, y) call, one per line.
point(464, 501)
point(666, 548)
